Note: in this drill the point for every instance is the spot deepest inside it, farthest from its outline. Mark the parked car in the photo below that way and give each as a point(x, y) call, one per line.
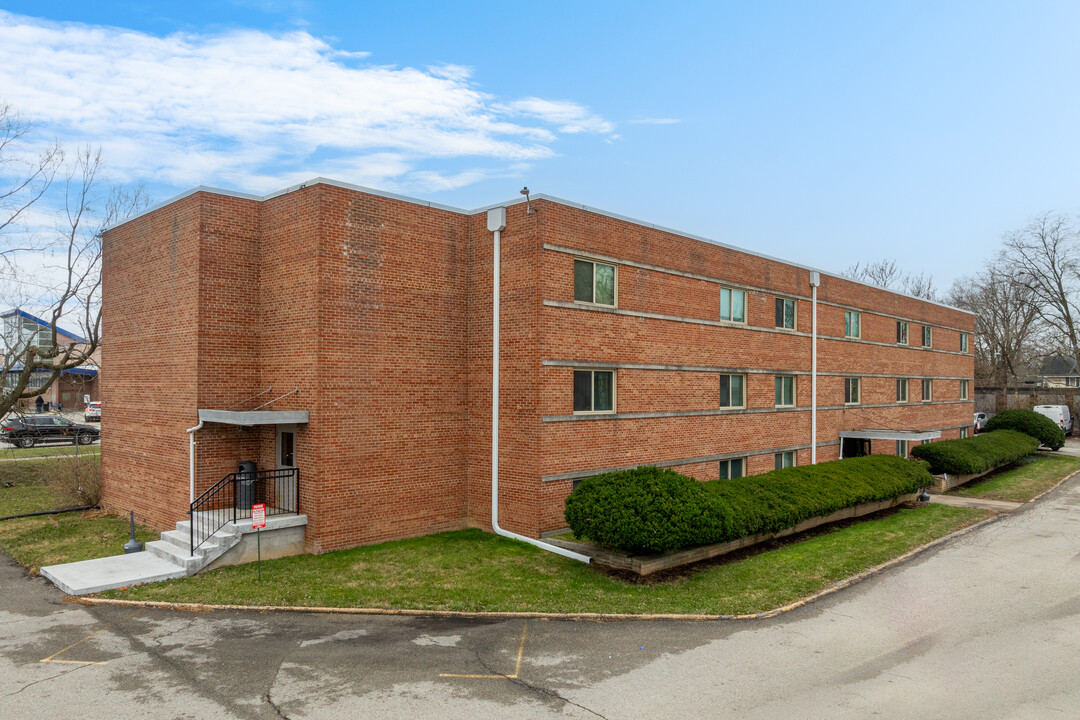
point(92, 411)
point(30, 430)
point(980, 422)
point(1059, 414)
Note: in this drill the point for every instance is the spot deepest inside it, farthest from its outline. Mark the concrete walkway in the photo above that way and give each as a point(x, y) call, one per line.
point(979, 503)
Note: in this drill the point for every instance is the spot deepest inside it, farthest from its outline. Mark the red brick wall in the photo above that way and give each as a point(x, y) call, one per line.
point(150, 291)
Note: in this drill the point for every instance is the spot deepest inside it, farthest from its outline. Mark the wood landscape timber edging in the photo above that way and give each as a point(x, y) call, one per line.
point(648, 564)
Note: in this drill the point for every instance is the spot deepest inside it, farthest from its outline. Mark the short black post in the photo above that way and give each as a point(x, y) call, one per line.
point(132, 545)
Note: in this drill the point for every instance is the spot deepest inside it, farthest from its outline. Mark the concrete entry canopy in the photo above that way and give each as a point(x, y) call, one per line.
point(910, 435)
point(255, 417)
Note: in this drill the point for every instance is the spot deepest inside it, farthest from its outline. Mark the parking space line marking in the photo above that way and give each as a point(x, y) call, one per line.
point(51, 659)
point(517, 666)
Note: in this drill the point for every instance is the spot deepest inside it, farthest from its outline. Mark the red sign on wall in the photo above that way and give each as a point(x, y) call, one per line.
point(258, 516)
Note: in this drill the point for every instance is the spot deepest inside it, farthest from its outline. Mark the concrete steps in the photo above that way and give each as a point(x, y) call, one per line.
point(164, 559)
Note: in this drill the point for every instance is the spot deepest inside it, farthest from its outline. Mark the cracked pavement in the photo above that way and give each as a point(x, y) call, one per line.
point(987, 625)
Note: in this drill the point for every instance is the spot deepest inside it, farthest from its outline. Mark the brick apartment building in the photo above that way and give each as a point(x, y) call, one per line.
point(370, 317)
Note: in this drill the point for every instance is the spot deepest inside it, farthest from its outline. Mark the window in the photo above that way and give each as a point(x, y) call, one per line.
point(785, 391)
point(594, 282)
point(732, 305)
point(784, 459)
point(785, 313)
point(901, 448)
point(851, 391)
point(927, 390)
point(594, 391)
point(963, 433)
point(963, 342)
point(901, 389)
point(731, 390)
point(901, 332)
point(963, 389)
point(731, 469)
point(851, 324)
point(927, 336)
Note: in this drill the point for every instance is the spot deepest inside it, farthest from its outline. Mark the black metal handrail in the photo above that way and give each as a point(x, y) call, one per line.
point(230, 499)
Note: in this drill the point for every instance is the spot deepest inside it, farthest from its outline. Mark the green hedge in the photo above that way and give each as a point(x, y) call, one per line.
point(968, 456)
point(1030, 423)
point(652, 510)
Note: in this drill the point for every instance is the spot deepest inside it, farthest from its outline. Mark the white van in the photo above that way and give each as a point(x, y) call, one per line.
point(1059, 414)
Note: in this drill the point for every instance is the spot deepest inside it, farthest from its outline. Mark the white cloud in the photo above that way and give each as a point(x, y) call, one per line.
point(569, 116)
point(656, 121)
point(256, 110)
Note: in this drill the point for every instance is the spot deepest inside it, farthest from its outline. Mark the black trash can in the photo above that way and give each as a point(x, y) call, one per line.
point(246, 479)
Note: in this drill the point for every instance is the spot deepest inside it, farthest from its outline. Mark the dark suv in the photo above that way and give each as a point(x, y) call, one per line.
point(30, 430)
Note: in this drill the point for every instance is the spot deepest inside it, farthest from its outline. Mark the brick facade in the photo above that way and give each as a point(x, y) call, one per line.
point(377, 311)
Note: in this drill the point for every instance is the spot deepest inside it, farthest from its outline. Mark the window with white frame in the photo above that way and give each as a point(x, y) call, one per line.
point(901, 448)
point(927, 390)
point(732, 469)
point(963, 389)
point(784, 459)
point(732, 391)
point(594, 391)
point(594, 282)
point(785, 391)
point(927, 336)
point(963, 433)
point(851, 391)
point(785, 313)
point(963, 342)
point(901, 332)
point(733, 305)
point(852, 322)
point(901, 390)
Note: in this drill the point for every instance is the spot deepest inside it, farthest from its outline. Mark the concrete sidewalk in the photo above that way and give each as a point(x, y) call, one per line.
point(979, 503)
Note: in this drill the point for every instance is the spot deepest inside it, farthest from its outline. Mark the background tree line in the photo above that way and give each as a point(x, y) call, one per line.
point(1026, 299)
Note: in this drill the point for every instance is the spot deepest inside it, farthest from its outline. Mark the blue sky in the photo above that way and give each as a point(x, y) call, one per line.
point(824, 133)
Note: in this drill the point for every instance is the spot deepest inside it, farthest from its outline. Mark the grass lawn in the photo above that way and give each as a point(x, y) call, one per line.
point(33, 472)
point(470, 570)
point(1022, 483)
point(53, 539)
point(10, 452)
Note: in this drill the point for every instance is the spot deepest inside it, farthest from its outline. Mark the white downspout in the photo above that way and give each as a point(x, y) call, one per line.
point(191, 459)
point(815, 280)
point(496, 223)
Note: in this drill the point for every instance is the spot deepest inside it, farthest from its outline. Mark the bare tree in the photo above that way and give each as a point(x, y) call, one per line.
point(887, 274)
point(1044, 257)
point(56, 271)
point(1006, 323)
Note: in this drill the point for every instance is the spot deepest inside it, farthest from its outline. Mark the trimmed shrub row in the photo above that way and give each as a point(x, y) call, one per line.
point(1030, 423)
point(648, 509)
point(969, 456)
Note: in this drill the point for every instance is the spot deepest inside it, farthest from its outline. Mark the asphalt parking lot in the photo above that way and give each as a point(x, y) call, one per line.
point(987, 625)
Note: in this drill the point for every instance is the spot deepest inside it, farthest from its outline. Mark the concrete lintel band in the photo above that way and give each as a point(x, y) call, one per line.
point(684, 461)
point(742, 326)
point(737, 411)
point(598, 364)
point(744, 286)
point(708, 458)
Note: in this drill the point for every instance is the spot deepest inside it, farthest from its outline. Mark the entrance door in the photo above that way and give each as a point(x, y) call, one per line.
point(285, 483)
point(854, 447)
